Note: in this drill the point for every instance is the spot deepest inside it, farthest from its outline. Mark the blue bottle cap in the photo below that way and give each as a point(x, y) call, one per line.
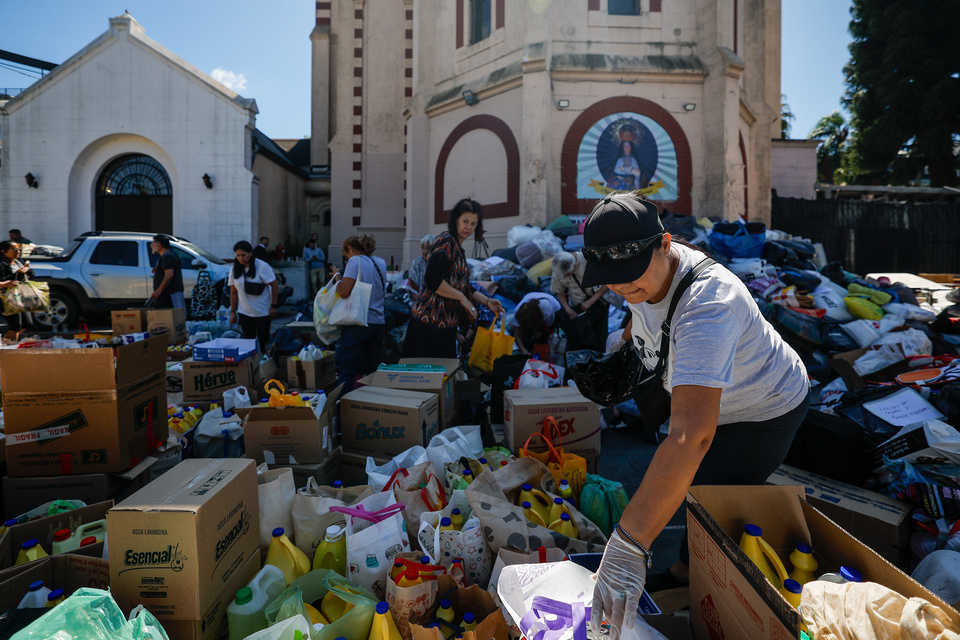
point(525, 505)
point(564, 516)
point(424, 559)
point(445, 603)
point(753, 530)
point(455, 512)
point(792, 586)
point(558, 501)
point(482, 461)
point(468, 617)
point(11, 522)
point(382, 607)
point(467, 472)
point(432, 625)
point(262, 400)
point(527, 487)
point(445, 522)
point(564, 482)
point(803, 547)
point(56, 593)
point(850, 574)
point(29, 544)
point(35, 586)
point(278, 532)
point(338, 484)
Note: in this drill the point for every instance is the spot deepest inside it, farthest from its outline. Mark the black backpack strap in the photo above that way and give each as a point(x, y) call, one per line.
point(682, 287)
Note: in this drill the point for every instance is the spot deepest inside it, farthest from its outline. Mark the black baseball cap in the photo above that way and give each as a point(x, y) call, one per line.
point(620, 236)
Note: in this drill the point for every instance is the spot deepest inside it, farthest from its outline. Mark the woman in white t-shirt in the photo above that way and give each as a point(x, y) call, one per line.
point(253, 294)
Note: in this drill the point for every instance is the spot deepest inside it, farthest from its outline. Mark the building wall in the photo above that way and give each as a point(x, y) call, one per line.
point(126, 94)
point(794, 168)
point(282, 205)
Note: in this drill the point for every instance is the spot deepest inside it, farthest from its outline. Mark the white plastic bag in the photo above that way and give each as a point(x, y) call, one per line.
point(238, 398)
point(537, 374)
point(826, 297)
point(913, 342)
point(378, 477)
point(520, 234)
point(375, 535)
point(276, 489)
point(323, 303)
point(453, 443)
point(287, 629)
point(353, 311)
point(909, 311)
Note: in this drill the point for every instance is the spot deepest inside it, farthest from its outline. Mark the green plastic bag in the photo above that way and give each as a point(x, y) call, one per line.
point(92, 614)
point(603, 502)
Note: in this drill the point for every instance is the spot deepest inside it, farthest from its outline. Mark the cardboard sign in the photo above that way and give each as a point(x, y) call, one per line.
point(525, 409)
point(384, 422)
point(902, 408)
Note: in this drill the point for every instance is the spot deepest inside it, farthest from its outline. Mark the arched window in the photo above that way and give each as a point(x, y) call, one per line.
point(134, 175)
point(134, 193)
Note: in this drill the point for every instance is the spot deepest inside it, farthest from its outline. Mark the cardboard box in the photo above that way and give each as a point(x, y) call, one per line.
point(385, 422)
point(42, 529)
point(318, 374)
point(180, 544)
point(524, 411)
point(881, 523)
point(324, 473)
point(22, 494)
point(128, 321)
point(730, 598)
point(106, 412)
point(65, 571)
point(289, 435)
point(353, 468)
point(206, 381)
point(842, 363)
point(428, 375)
point(169, 322)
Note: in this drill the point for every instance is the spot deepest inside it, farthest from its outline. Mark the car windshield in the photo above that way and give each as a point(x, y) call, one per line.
point(206, 255)
point(69, 251)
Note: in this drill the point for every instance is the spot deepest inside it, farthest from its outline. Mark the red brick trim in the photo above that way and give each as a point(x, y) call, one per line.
point(570, 204)
point(746, 184)
point(655, 6)
point(593, 5)
point(501, 9)
point(356, 221)
point(736, 13)
point(459, 23)
point(490, 210)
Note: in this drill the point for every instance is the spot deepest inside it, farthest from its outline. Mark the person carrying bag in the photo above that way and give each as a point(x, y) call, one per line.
point(20, 295)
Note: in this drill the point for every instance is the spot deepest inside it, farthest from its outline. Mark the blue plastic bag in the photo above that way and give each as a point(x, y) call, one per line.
point(739, 239)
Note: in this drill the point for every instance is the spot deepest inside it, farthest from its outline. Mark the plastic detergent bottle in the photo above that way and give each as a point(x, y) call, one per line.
point(566, 491)
point(305, 399)
point(176, 425)
point(532, 515)
point(97, 529)
point(332, 551)
point(64, 540)
point(456, 519)
point(469, 622)
point(847, 574)
point(538, 500)
point(804, 564)
point(54, 598)
point(791, 591)
point(319, 401)
point(315, 616)
point(36, 596)
point(762, 555)
point(333, 607)
point(88, 541)
point(383, 627)
point(483, 462)
point(446, 524)
point(565, 526)
point(467, 476)
point(445, 612)
point(245, 615)
point(398, 568)
point(30, 551)
point(6, 525)
point(558, 507)
point(409, 578)
point(285, 555)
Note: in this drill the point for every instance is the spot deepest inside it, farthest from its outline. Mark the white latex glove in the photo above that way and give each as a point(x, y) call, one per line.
point(620, 580)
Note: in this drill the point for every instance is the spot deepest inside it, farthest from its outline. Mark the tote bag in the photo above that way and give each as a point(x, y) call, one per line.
point(490, 345)
point(26, 296)
point(562, 465)
point(353, 310)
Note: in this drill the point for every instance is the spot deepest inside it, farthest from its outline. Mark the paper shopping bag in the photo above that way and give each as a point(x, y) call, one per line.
point(490, 622)
point(467, 544)
point(562, 465)
point(276, 490)
point(379, 476)
point(488, 345)
point(420, 491)
point(493, 496)
point(412, 601)
point(311, 513)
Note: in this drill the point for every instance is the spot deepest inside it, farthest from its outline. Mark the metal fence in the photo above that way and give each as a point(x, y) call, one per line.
point(877, 236)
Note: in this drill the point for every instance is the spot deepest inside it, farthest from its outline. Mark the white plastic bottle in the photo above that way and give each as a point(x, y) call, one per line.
point(36, 597)
point(64, 540)
point(245, 615)
point(97, 529)
point(319, 400)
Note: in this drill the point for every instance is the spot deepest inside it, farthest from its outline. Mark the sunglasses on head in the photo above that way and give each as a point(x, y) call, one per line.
point(618, 251)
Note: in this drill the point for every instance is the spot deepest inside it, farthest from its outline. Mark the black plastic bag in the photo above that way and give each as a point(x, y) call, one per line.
point(606, 378)
point(515, 287)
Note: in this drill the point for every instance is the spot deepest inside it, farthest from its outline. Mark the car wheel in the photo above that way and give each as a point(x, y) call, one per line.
point(63, 310)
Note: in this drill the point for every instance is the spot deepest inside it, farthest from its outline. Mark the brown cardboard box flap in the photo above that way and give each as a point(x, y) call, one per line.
point(187, 490)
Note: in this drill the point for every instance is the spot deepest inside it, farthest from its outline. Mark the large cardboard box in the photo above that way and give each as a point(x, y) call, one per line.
point(206, 381)
point(312, 375)
point(429, 375)
point(22, 494)
point(42, 529)
point(730, 598)
point(524, 411)
point(324, 473)
point(128, 321)
point(72, 411)
point(881, 523)
point(289, 435)
point(168, 321)
point(180, 544)
point(383, 422)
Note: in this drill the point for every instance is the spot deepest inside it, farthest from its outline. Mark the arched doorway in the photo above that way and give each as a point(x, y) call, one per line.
point(134, 194)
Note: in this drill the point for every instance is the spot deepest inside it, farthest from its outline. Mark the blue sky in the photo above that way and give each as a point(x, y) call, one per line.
point(263, 48)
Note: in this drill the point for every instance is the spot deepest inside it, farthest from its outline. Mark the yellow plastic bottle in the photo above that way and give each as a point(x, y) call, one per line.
point(446, 524)
point(198, 412)
point(469, 622)
point(445, 612)
point(556, 509)
point(284, 555)
point(566, 491)
point(565, 526)
point(176, 425)
point(315, 616)
point(332, 551)
point(30, 551)
point(532, 515)
point(791, 591)
point(409, 578)
point(467, 476)
point(456, 519)
point(188, 419)
point(762, 555)
point(537, 499)
point(333, 607)
point(54, 598)
point(804, 564)
point(398, 568)
point(383, 627)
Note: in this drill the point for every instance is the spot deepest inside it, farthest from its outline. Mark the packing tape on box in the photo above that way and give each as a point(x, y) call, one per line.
point(38, 435)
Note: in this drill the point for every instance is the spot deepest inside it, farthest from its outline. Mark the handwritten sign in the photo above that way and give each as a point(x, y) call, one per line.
point(902, 408)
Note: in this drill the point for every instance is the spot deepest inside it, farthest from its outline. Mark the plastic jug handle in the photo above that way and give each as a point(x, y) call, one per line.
point(774, 560)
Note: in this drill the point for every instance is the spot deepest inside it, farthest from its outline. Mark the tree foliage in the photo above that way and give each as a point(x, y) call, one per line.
point(903, 89)
point(786, 117)
point(834, 132)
